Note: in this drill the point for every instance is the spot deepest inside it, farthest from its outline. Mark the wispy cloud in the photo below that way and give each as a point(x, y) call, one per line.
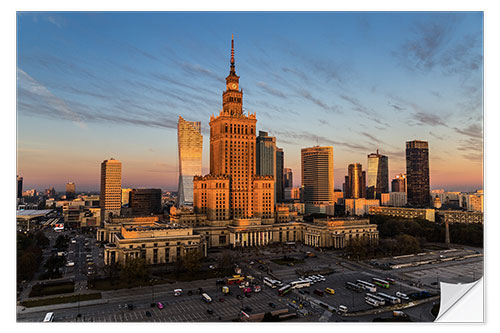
point(473, 130)
point(34, 97)
point(270, 90)
point(308, 96)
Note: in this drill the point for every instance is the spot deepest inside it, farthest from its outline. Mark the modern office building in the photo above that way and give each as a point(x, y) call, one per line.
point(355, 182)
point(70, 191)
point(190, 146)
point(279, 185)
point(111, 188)
point(126, 196)
point(317, 175)
point(287, 178)
point(377, 175)
point(417, 173)
point(265, 154)
point(19, 181)
point(398, 184)
point(145, 201)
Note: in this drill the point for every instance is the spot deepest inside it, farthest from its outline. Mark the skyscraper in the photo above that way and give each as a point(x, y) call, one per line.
point(355, 182)
point(317, 174)
point(233, 190)
point(19, 187)
point(398, 184)
point(190, 145)
point(279, 185)
point(417, 173)
point(70, 191)
point(265, 155)
point(378, 175)
point(111, 188)
point(288, 178)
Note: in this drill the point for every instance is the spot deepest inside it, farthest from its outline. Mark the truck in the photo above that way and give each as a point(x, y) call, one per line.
point(225, 290)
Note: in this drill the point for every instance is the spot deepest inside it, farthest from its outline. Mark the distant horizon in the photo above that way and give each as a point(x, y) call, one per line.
point(96, 85)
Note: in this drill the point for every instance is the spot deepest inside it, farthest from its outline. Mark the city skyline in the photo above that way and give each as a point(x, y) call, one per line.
point(65, 89)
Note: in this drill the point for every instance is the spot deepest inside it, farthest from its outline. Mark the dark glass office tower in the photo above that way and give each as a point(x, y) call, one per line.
point(355, 182)
point(417, 173)
point(378, 175)
point(280, 162)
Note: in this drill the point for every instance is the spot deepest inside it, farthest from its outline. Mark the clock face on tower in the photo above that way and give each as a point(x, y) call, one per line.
point(234, 86)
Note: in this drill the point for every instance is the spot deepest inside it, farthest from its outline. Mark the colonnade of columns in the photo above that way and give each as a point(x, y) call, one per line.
point(313, 240)
point(253, 238)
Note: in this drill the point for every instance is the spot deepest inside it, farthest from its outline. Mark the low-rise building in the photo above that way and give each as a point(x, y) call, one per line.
point(359, 206)
point(409, 213)
point(458, 216)
point(393, 199)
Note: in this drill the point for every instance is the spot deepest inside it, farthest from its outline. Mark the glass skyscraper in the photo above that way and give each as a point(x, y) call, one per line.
point(417, 173)
point(377, 175)
point(190, 146)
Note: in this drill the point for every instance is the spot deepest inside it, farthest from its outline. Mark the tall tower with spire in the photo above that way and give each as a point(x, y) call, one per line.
point(232, 159)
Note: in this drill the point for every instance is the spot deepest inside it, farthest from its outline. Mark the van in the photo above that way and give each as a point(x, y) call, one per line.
point(206, 298)
point(49, 317)
point(342, 309)
point(402, 296)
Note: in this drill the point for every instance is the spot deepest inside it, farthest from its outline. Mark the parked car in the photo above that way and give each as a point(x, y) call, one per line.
point(247, 309)
point(239, 297)
point(271, 304)
point(177, 292)
point(148, 314)
point(221, 300)
point(330, 291)
point(130, 306)
point(319, 292)
point(210, 311)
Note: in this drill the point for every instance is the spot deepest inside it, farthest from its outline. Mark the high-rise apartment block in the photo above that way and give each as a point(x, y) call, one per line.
point(233, 190)
point(317, 175)
point(355, 182)
point(279, 185)
point(70, 191)
point(398, 184)
point(377, 175)
point(417, 173)
point(190, 145)
point(288, 178)
point(111, 188)
point(145, 201)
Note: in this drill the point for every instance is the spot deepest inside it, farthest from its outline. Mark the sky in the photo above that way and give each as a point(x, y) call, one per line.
point(91, 86)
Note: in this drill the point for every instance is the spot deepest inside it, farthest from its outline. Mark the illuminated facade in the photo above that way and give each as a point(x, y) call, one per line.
point(355, 182)
point(70, 191)
point(377, 176)
point(317, 175)
point(111, 188)
point(233, 191)
point(190, 145)
point(398, 184)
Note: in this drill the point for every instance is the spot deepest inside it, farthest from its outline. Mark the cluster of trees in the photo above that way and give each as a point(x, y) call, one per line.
point(460, 233)
point(399, 245)
point(53, 266)
point(62, 242)
point(29, 254)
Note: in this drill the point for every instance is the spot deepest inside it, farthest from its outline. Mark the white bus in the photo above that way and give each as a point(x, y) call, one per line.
point(206, 298)
point(269, 282)
point(48, 317)
point(391, 299)
point(372, 302)
point(300, 284)
point(367, 286)
point(379, 299)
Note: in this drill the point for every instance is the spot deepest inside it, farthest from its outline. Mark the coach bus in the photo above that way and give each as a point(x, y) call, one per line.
point(366, 286)
point(381, 283)
point(391, 299)
point(300, 284)
point(284, 290)
point(354, 287)
point(269, 282)
point(379, 299)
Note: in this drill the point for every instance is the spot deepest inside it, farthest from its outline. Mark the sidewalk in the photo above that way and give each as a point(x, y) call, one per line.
point(48, 308)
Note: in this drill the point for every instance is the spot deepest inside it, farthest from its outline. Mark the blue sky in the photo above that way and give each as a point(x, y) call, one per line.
point(97, 85)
